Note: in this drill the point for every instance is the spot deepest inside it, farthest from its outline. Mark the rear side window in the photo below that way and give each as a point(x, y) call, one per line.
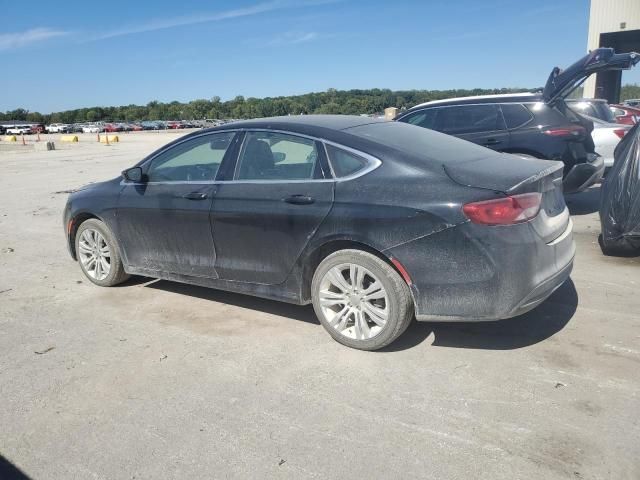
point(469, 119)
point(422, 118)
point(515, 114)
point(345, 163)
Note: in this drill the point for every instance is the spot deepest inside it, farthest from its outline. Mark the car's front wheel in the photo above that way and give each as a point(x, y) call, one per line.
point(361, 300)
point(98, 254)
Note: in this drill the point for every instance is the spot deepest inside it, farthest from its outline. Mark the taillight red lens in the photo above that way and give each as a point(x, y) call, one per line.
point(504, 211)
point(570, 131)
point(620, 132)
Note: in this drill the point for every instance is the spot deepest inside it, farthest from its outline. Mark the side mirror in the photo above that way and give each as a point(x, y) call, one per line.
point(133, 174)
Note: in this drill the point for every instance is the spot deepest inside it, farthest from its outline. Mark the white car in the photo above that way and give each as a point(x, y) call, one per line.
point(58, 128)
point(19, 130)
point(91, 129)
point(606, 137)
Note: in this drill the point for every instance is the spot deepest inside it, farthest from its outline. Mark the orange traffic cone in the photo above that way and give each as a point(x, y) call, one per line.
point(107, 135)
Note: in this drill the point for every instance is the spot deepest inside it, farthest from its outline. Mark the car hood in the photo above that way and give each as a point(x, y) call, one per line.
point(562, 82)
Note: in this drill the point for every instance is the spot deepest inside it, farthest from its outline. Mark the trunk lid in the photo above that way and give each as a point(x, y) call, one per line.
point(511, 175)
point(562, 82)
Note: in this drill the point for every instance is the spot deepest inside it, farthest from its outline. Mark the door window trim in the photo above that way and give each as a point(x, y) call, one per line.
point(373, 162)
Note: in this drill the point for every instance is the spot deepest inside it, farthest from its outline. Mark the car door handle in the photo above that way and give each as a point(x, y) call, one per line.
point(492, 141)
point(195, 196)
point(299, 199)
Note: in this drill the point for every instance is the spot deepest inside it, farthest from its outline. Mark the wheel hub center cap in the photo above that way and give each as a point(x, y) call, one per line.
point(355, 300)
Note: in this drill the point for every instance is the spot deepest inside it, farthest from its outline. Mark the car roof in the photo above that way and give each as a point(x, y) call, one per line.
point(585, 100)
point(495, 98)
point(321, 126)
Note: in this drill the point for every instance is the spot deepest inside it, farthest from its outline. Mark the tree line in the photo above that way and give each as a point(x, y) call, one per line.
point(332, 101)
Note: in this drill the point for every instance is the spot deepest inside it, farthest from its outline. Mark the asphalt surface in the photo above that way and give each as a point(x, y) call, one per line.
point(155, 379)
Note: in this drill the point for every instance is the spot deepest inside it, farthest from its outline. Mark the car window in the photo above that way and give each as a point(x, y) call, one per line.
point(618, 112)
point(423, 118)
point(462, 119)
point(197, 159)
point(515, 114)
point(276, 156)
point(345, 163)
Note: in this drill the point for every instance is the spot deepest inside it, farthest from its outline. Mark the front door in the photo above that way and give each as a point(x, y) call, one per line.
point(263, 219)
point(163, 222)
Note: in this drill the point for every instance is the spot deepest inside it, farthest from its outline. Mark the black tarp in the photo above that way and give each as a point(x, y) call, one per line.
point(620, 201)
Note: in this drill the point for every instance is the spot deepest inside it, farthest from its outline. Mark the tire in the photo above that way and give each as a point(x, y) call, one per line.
point(91, 238)
point(352, 317)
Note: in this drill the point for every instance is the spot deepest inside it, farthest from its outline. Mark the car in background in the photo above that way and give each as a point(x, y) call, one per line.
point(174, 125)
point(58, 128)
point(592, 107)
point(332, 210)
point(19, 130)
point(532, 125)
point(625, 115)
point(606, 136)
point(150, 125)
point(632, 102)
point(91, 128)
point(112, 127)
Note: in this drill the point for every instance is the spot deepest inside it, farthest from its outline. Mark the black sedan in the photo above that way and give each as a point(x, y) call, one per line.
point(373, 222)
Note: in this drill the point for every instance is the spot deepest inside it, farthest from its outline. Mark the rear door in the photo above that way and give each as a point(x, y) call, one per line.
point(481, 123)
point(263, 217)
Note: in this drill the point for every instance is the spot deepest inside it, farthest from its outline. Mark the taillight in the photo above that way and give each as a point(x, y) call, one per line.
point(570, 131)
point(504, 211)
point(620, 132)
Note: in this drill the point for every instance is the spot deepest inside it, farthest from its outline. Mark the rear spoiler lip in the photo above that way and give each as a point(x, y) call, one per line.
point(509, 191)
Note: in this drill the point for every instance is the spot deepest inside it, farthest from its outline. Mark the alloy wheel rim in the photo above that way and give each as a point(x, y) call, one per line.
point(95, 254)
point(353, 301)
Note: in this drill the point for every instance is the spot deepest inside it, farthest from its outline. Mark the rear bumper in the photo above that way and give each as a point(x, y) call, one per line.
point(478, 273)
point(583, 175)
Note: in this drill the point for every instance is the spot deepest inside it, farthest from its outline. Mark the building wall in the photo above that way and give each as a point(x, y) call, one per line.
point(606, 16)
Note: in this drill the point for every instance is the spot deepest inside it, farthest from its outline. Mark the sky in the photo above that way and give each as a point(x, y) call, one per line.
point(56, 56)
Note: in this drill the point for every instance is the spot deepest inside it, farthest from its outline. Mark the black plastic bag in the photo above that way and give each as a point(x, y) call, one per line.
point(620, 201)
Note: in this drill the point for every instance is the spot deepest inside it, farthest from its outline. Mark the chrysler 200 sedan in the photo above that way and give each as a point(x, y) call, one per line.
point(373, 222)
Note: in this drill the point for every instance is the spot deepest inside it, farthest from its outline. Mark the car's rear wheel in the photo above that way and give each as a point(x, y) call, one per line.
point(98, 254)
point(361, 300)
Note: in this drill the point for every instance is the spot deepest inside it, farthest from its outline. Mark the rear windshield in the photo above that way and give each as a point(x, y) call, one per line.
point(421, 142)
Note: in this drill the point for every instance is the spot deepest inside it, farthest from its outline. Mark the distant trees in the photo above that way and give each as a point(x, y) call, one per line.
point(630, 91)
point(332, 101)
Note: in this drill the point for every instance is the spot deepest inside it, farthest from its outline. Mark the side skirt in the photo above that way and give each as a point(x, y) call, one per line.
point(271, 292)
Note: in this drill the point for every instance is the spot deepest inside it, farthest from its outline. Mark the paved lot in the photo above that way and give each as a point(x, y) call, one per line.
point(162, 380)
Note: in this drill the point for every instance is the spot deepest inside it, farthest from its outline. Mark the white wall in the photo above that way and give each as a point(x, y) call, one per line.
point(606, 16)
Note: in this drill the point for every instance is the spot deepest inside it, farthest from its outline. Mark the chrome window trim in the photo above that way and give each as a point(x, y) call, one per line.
point(373, 162)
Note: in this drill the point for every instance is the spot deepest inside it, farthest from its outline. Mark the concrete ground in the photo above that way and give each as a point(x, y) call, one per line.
point(155, 379)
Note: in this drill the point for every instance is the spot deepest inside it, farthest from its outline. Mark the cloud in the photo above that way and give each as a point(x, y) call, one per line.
point(9, 41)
point(161, 24)
point(293, 38)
